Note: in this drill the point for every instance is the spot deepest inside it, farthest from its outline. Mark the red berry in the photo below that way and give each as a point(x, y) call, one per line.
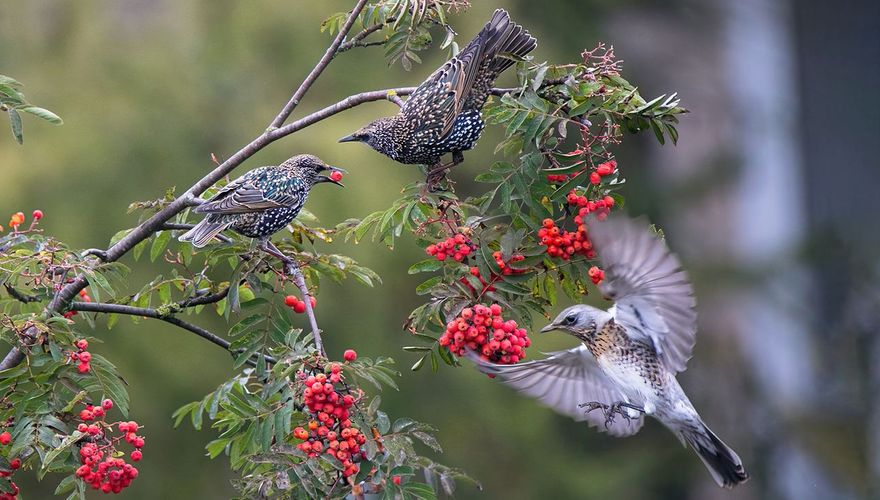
point(136, 456)
point(5, 437)
point(349, 355)
point(395, 480)
point(82, 344)
point(313, 301)
point(548, 223)
point(595, 178)
point(336, 176)
point(38, 214)
point(85, 356)
point(299, 307)
point(290, 300)
point(107, 404)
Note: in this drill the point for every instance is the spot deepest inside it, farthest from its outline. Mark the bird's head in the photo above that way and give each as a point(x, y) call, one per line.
point(314, 169)
point(579, 320)
point(375, 134)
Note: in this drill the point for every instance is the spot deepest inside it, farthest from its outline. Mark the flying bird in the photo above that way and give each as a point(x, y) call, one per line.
point(443, 114)
point(631, 353)
point(261, 202)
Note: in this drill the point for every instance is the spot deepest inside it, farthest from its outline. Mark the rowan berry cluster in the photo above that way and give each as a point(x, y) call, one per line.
point(17, 219)
point(563, 244)
point(457, 247)
point(596, 275)
point(330, 430)
point(102, 466)
point(299, 306)
point(14, 465)
point(602, 170)
point(482, 328)
point(82, 357)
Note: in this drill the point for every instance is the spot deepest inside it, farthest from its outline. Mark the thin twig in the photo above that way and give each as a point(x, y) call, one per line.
point(357, 39)
point(319, 68)
point(20, 296)
point(98, 307)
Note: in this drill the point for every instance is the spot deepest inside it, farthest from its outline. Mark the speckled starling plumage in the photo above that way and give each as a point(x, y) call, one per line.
point(443, 114)
point(260, 202)
point(631, 353)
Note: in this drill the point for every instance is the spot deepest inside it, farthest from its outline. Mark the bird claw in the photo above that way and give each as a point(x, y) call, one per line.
point(612, 409)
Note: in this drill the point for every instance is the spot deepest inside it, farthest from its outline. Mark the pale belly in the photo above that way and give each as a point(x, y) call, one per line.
point(630, 380)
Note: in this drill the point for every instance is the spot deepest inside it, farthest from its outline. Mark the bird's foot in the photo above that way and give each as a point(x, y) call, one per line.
point(611, 410)
point(437, 173)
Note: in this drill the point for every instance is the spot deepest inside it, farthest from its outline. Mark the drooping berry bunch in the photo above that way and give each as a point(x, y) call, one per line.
point(330, 430)
point(102, 468)
point(563, 244)
point(14, 465)
point(457, 247)
point(82, 356)
point(299, 306)
point(482, 329)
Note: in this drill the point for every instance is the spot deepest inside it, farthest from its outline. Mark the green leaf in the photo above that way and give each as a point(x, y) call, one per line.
point(15, 123)
point(66, 443)
point(45, 114)
point(159, 244)
point(426, 286)
point(426, 265)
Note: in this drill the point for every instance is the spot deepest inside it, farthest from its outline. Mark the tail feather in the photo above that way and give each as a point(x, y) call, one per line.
point(204, 231)
point(723, 463)
point(503, 36)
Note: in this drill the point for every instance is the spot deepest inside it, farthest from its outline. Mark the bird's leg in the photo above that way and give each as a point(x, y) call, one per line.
point(291, 268)
point(438, 171)
point(619, 406)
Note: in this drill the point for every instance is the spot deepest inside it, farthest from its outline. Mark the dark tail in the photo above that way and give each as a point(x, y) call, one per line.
point(504, 37)
point(723, 463)
point(204, 231)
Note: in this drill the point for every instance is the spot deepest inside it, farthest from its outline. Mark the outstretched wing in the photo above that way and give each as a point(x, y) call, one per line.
point(245, 195)
point(563, 381)
point(653, 297)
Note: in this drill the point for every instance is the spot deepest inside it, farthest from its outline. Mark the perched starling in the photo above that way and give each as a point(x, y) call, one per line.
point(260, 202)
point(631, 352)
point(443, 114)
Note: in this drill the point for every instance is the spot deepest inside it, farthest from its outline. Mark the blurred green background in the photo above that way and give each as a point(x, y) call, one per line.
point(787, 367)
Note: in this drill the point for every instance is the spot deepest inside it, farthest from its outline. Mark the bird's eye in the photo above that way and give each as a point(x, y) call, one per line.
point(570, 319)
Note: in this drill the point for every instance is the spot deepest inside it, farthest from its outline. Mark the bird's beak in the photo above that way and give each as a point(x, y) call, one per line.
point(548, 328)
point(349, 138)
point(330, 170)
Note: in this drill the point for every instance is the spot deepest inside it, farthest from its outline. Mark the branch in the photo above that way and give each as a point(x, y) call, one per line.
point(98, 307)
point(202, 299)
point(319, 68)
point(20, 296)
point(357, 39)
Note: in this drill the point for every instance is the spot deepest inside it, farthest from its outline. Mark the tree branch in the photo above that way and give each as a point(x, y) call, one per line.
point(20, 296)
point(97, 307)
point(319, 68)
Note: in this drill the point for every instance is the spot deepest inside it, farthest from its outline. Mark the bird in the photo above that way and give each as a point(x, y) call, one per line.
point(261, 202)
point(629, 354)
point(443, 115)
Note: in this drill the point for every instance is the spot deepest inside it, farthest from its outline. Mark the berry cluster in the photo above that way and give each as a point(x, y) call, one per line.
point(596, 274)
point(560, 178)
point(83, 296)
point(299, 306)
point(481, 328)
point(17, 219)
point(563, 244)
point(600, 207)
point(330, 431)
point(457, 247)
point(603, 170)
point(82, 357)
point(14, 465)
point(102, 468)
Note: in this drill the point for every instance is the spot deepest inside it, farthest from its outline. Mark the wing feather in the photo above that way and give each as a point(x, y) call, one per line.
point(562, 381)
point(654, 299)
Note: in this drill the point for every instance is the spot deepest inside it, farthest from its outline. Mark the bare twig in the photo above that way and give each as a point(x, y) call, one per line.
point(357, 39)
point(97, 307)
point(319, 68)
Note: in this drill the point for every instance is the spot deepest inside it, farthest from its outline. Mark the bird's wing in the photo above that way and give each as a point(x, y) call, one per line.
point(438, 101)
point(244, 196)
point(563, 380)
point(653, 297)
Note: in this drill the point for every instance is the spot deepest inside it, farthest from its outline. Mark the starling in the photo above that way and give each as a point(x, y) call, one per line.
point(631, 352)
point(443, 114)
point(261, 202)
